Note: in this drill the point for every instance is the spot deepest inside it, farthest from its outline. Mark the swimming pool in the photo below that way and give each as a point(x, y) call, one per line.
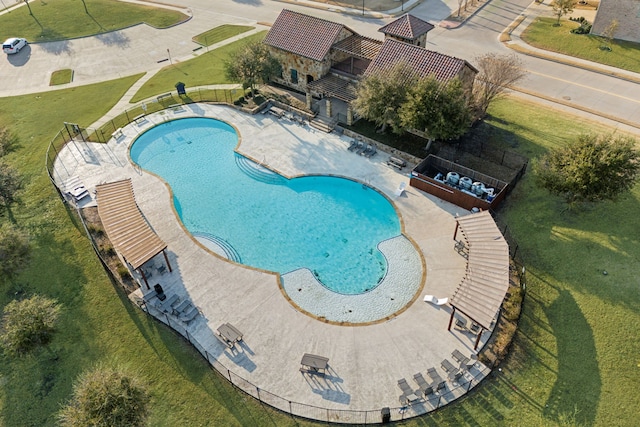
point(331, 226)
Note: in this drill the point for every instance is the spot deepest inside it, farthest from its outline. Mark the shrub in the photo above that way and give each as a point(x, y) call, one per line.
point(105, 396)
point(123, 272)
point(28, 323)
point(15, 252)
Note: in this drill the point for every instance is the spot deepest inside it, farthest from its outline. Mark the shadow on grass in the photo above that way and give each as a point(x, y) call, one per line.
point(578, 384)
point(34, 384)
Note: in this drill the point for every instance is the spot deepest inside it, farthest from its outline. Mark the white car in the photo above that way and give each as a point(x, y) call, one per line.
point(13, 45)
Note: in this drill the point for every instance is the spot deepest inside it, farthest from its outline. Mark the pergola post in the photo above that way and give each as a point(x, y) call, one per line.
point(328, 107)
point(309, 100)
point(166, 259)
point(349, 115)
point(144, 277)
point(475, 347)
point(451, 318)
point(455, 233)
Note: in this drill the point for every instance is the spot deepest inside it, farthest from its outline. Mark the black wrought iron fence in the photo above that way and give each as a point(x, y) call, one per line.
point(329, 415)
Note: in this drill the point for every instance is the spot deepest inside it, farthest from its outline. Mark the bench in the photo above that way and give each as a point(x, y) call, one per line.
point(164, 95)
point(139, 119)
point(176, 107)
point(117, 134)
point(396, 163)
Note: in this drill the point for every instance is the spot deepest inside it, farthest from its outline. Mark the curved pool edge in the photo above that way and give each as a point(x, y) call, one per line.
point(404, 280)
point(304, 277)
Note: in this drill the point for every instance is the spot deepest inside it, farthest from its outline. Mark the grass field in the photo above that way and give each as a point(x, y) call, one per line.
point(543, 34)
point(205, 69)
point(65, 19)
point(574, 359)
point(218, 34)
point(61, 77)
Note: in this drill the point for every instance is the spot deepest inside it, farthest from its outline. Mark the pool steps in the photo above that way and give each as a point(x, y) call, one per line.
point(229, 251)
point(257, 172)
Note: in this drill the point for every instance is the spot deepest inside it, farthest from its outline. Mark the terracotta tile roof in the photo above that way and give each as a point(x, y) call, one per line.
point(407, 27)
point(303, 35)
point(424, 62)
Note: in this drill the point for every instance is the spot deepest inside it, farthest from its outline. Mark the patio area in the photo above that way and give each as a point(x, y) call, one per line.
point(364, 362)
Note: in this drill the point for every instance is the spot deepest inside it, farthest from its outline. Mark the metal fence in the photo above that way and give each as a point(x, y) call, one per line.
point(329, 415)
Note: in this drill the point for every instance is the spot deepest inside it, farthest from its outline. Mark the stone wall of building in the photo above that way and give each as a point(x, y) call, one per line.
point(627, 12)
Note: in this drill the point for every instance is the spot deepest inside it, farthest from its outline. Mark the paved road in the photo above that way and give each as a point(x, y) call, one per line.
point(142, 48)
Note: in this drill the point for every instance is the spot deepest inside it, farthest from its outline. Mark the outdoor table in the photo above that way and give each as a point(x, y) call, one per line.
point(314, 362)
point(229, 333)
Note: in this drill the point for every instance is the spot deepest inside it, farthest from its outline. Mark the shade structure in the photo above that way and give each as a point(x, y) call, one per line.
point(482, 290)
point(127, 229)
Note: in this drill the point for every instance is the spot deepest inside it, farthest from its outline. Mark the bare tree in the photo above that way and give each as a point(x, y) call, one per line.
point(497, 73)
point(562, 7)
point(609, 34)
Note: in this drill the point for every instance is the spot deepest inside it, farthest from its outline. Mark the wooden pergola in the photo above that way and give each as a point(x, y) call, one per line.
point(125, 226)
point(485, 284)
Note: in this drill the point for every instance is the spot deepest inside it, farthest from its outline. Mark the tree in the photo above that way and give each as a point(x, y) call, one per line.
point(253, 64)
point(441, 110)
point(609, 34)
point(10, 185)
point(379, 96)
point(496, 74)
point(561, 8)
point(8, 142)
point(14, 252)
point(106, 397)
point(28, 323)
point(593, 168)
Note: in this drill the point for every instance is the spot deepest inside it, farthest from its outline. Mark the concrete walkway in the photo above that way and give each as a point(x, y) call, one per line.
point(365, 362)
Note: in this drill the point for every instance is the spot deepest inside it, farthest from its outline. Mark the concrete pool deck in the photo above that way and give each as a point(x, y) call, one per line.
point(365, 362)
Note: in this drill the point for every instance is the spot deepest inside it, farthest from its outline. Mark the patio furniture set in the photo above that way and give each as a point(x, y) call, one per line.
point(433, 387)
point(181, 309)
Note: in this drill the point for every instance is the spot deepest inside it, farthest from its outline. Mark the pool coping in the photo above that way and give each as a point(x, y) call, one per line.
point(390, 348)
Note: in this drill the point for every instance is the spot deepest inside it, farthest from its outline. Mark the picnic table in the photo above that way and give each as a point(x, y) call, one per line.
point(229, 333)
point(314, 363)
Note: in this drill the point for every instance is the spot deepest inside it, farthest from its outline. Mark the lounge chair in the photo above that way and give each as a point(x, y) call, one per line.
point(436, 380)
point(367, 150)
point(400, 189)
point(75, 188)
point(188, 316)
point(465, 362)
point(361, 149)
point(437, 301)
point(452, 372)
point(167, 305)
point(371, 152)
point(353, 145)
point(408, 395)
point(358, 146)
point(425, 388)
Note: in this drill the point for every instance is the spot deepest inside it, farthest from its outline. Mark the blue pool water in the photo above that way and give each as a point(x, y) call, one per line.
point(327, 224)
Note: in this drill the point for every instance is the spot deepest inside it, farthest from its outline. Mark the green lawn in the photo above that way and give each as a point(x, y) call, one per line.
point(220, 33)
point(206, 69)
point(543, 34)
point(574, 360)
point(65, 19)
point(61, 77)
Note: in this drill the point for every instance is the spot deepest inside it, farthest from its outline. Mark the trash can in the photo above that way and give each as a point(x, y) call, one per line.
point(386, 415)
